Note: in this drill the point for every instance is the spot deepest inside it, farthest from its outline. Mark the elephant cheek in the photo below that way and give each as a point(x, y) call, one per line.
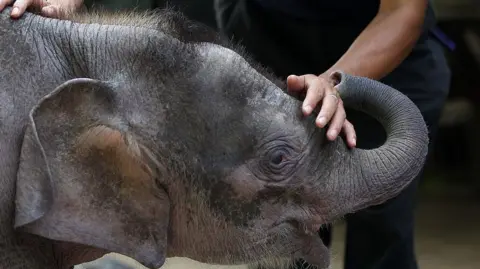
point(244, 184)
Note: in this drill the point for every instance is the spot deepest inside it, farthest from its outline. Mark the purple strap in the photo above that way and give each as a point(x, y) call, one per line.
point(443, 38)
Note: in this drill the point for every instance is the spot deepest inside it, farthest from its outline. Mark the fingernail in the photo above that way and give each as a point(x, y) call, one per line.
point(15, 11)
point(307, 109)
point(322, 121)
point(47, 11)
point(332, 134)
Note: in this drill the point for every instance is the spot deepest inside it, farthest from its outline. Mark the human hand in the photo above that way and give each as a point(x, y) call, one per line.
point(48, 8)
point(321, 88)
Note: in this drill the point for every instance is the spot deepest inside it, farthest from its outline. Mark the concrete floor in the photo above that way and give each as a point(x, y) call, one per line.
point(448, 235)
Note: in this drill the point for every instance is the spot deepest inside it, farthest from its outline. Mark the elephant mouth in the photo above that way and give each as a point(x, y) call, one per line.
point(306, 227)
point(312, 249)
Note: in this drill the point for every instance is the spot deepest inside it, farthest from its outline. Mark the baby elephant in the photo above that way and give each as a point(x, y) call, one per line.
point(149, 136)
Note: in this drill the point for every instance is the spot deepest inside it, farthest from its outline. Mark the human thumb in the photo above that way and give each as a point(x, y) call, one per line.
point(51, 11)
point(295, 83)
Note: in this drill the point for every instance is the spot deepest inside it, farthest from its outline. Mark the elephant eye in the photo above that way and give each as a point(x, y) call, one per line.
point(277, 157)
point(277, 164)
point(278, 160)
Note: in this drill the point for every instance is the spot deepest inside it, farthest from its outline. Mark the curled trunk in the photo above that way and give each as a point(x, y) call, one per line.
point(381, 173)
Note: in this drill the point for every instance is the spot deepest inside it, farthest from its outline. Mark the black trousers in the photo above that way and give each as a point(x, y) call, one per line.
point(380, 237)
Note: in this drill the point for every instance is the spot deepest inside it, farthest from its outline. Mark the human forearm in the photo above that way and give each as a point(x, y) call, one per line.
point(51, 8)
point(384, 43)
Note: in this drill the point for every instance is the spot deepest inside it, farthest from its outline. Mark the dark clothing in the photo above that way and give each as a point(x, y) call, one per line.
point(291, 40)
point(326, 10)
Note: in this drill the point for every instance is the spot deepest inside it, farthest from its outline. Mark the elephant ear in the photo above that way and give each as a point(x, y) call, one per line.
point(83, 178)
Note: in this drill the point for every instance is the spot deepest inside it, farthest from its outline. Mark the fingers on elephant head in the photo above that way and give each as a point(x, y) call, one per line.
point(84, 178)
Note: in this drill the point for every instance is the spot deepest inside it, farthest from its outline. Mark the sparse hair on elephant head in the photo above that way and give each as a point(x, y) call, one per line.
point(182, 147)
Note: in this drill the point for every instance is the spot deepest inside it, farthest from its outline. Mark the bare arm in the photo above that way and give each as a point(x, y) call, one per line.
point(377, 51)
point(386, 41)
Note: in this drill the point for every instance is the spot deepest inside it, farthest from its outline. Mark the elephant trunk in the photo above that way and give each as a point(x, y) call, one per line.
point(376, 175)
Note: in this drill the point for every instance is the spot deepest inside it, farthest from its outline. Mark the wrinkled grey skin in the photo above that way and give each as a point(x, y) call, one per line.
point(133, 135)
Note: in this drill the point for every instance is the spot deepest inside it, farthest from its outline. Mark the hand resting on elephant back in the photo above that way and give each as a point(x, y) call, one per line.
point(131, 131)
point(48, 8)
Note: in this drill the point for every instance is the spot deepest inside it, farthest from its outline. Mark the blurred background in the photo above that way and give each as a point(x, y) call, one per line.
point(448, 213)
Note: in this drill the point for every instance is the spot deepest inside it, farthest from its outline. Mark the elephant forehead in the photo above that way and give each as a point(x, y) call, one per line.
point(220, 60)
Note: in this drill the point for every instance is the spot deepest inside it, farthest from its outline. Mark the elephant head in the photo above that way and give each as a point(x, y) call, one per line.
point(185, 149)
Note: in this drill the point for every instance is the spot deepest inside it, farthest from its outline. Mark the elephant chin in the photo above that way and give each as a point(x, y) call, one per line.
point(316, 253)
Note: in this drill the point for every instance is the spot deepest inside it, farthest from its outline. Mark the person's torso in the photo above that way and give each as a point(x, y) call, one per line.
point(325, 11)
